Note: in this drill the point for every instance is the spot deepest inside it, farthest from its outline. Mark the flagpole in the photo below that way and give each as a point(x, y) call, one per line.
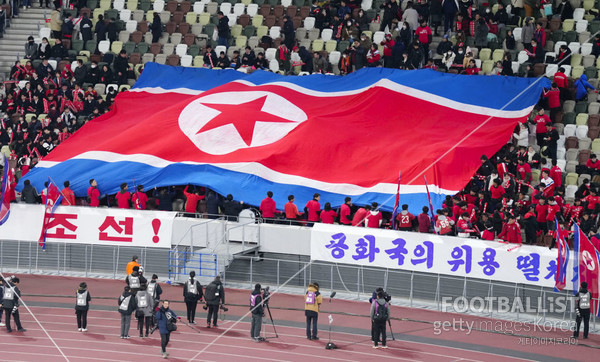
point(397, 204)
point(430, 205)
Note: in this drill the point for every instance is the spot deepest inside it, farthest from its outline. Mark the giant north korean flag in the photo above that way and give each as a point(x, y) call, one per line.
point(246, 134)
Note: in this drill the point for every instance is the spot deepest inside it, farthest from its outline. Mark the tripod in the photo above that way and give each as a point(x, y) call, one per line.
point(272, 323)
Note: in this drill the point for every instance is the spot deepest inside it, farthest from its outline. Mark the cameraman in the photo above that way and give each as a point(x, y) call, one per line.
point(214, 295)
point(258, 312)
point(386, 297)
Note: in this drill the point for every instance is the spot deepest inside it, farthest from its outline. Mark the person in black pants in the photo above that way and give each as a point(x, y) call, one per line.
point(10, 304)
point(379, 316)
point(82, 305)
point(214, 295)
point(582, 307)
point(164, 315)
point(192, 293)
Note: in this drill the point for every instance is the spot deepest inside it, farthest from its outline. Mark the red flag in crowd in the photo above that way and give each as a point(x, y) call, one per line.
point(5, 197)
point(586, 261)
point(562, 259)
point(53, 199)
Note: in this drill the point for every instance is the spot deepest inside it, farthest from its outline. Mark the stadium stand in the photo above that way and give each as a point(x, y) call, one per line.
point(85, 55)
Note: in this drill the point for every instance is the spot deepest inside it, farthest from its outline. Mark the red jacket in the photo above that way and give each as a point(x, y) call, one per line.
point(68, 197)
point(359, 216)
point(374, 219)
point(291, 210)
point(592, 164)
point(542, 212)
point(123, 199)
point(511, 233)
point(553, 210)
point(405, 220)
point(540, 123)
point(268, 207)
point(313, 208)
point(327, 217)
point(553, 96)
point(497, 192)
point(192, 201)
point(556, 175)
point(443, 226)
point(424, 223)
point(423, 34)
point(139, 200)
point(524, 172)
point(488, 235)
point(344, 214)
point(387, 47)
point(94, 196)
point(561, 80)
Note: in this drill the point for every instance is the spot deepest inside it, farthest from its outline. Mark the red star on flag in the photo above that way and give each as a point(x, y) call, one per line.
point(243, 117)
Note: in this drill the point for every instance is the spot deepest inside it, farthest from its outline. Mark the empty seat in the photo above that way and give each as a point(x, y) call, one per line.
point(173, 60)
point(581, 132)
point(571, 142)
point(104, 46)
point(186, 60)
point(181, 50)
point(569, 130)
point(326, 34)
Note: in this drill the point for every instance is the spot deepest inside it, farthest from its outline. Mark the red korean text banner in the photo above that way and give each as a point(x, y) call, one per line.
point(86, 225)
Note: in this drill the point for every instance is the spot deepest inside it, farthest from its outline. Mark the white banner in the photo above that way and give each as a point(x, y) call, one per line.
point(91, 225)
point(432, 253)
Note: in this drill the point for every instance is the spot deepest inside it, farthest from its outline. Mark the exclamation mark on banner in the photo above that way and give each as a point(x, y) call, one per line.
point(155, 227)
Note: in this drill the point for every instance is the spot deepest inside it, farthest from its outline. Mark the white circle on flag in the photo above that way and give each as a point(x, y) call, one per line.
point(588, 260)
point(273, 116)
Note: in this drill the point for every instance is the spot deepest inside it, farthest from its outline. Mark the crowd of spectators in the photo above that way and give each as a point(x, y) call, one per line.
point(54, 90)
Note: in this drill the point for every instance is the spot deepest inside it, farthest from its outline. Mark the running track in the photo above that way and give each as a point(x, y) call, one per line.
point(48, 298)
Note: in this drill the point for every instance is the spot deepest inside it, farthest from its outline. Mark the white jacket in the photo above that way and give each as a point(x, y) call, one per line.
point(522, 137)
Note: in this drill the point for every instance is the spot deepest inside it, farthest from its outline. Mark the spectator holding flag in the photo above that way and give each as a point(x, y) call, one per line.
point(139, 198)
point(68, 195)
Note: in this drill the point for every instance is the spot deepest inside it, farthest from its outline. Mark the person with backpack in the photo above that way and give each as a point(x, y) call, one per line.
point(192, 293)
point(127, 304)
point(10, 304)
point(582, 307)
point(380, 313)
point(155, 291)
point(258, 311)
point(166, 320)
point(135, 280)
point(144, 311)
point(214, 295)
point(312, 303)
point(82, 305)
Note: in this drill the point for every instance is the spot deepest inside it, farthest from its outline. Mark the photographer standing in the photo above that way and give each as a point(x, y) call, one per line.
point(192, 293)
point(312, 303)
point(380, 313)
point(373, 298)
point(582, 307)
point(214, 295)
point(258, 311)
point(166, 319)
point(10, 303)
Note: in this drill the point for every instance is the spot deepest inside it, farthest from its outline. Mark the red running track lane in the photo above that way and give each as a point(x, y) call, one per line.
point(102, 343)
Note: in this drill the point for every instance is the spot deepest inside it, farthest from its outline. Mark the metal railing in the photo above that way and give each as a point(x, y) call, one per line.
point(85, 260)
point(507, 301)
point(181, 262)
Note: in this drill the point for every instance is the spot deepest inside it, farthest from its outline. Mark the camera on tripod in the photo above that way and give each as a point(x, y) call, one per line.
point(266, 295)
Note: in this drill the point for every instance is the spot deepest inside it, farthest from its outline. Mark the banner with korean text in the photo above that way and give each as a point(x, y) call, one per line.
point(430, 253)
point(88, 225)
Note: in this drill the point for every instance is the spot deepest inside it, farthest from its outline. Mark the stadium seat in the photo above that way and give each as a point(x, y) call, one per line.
point(252, 9)
point(168, 49)
point(577, 71)
point(569, 106)
point(593, 109)
point(274, 65)
point(378, 37)
point(147, 57)
point(593, 132)
point(270, 53)
point(317, 45)
point(568, 25)
point(522, 57)
point(186, 60)
point(326, 34)
point(330, 46)
point(571, 180)
point(159, 5)
point(581, 132)
point(225, 8)
point(104, 46)
point(596, 145)
point(581, 120)
point(576, 60)
point(485, 54)
point(569, 130)
point(488, 66)
point(198, 61)
point(517, 34)
point(574, 46)
point(238, 9)
point(181, 50)
point(173, 60)
point(586, 49)
point(578, 14)
point(581, 26)
point(161, 59)
point(498, 55)
point(309, 23)
point(131, 4)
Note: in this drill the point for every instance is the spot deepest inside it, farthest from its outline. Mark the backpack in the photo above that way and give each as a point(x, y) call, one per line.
point(82, 299)
point(210, 293)
point(143, 301)
point(311, 298)
point(381, 312)
point(9, 293)
point(125, 303)
point(151, 289)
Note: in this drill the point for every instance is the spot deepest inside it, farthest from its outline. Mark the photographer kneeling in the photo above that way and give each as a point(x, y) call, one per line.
point(258, 312)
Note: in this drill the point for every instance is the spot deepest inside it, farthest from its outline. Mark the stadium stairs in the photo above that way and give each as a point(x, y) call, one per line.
point(12, 46)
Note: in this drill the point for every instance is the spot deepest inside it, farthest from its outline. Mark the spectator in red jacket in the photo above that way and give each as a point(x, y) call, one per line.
point(388, 44)
point(360, 216)
point(424, 221)
point(374, 217)
point(553, 211)
point(488, 233)
point(406, 220)
point(540, 127)
point(556, 174)
point(511, 231)
point(313, 208)
point(443, 224)
point(291, 210)
point(464, 228)
point(497, 191)
point(139, 198)
point(123, 197)
point(328, 215)
point(191, 205)
point(523, 171)
point(94, 194)
point(541, 210)
point(68, 195)
point(593, 165)
point(268, 206)
point(553, 97)
point(373, 56)
point(346, 212)
point(424, 35)
point(560, 78)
